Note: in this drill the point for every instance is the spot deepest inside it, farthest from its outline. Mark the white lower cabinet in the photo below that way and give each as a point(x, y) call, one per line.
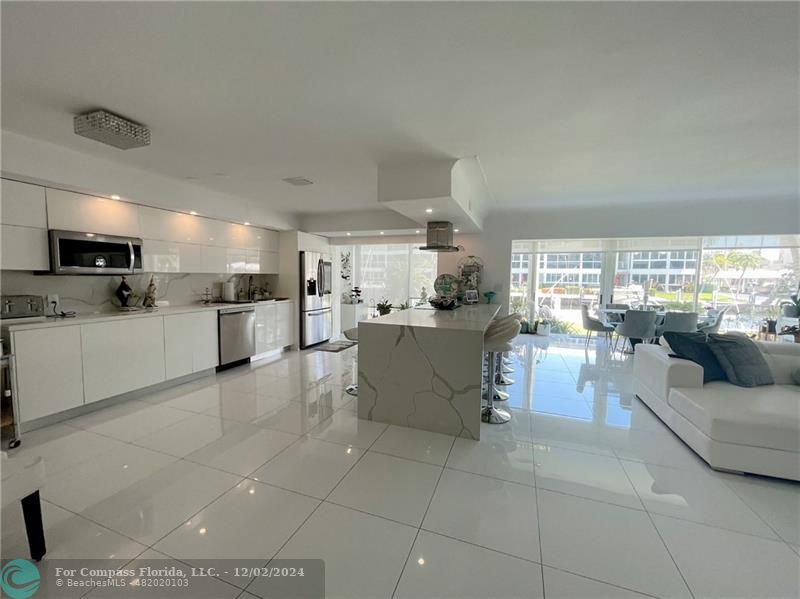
point(274, 326)
point(48, 370)
point(190, 343)
point(123, 356)
point(285, 324)
point(266, 326)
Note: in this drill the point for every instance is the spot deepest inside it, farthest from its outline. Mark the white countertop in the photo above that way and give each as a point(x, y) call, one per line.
point(466, 318)
point(21, 324)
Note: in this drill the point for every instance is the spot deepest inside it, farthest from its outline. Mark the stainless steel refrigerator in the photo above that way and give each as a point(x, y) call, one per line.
point(316, 314)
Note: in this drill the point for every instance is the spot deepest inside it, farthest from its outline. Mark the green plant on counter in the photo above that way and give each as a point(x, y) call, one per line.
point(403, 306)
point(791, 306)
point(383, 307)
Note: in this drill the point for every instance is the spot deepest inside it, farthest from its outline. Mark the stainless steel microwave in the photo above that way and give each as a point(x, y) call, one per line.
point(77, 253)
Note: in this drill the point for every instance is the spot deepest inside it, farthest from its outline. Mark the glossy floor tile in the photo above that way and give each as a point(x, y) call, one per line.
point(583, 494)
point(251, 521)
point(414, 444)
point(67, 535)
point(584, 474)
point(243, 449)
point(606, 542)
point(722, 563)
point(309, 466)
point(485, 511)
point(559, 584)
point(364, 555)
point(442, 567)
point(387, 486)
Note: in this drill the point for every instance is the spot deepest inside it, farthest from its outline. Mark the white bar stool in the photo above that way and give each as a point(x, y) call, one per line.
point(497, 340)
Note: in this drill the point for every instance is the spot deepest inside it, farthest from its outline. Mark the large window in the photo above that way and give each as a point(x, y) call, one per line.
point(396, 272)
point(746, 276)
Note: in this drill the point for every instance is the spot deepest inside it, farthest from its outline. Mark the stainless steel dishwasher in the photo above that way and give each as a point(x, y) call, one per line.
point(237, 334)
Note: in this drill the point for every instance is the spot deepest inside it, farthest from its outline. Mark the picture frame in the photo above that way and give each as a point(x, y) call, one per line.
point(471, 296)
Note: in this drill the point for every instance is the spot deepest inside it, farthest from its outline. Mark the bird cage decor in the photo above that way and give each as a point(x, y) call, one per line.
point(470, 272)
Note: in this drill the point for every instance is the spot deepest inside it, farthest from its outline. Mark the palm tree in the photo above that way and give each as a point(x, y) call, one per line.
point(743, 261)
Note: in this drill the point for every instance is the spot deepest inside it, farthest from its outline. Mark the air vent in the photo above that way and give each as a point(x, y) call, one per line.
point(114, 130)
point(298, 181)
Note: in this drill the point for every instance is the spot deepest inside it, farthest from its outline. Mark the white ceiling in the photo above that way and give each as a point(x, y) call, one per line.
point(564, 103)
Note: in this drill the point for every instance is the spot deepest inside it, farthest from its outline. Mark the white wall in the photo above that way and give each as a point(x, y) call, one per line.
point(736, 217)
point(36, 161)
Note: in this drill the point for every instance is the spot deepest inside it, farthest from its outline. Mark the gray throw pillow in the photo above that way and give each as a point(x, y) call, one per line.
point(796, 376)
point(742, 361)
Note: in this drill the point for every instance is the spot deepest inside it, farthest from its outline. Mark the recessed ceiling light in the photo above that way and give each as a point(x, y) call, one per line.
point(246, 223)
point(381, 232)
point(115, 197)
point(90, 235)
point(298, 181)
point(417, 231)
point(455, 230)
point(429, 210)
point(192, 212)
point(348, 234)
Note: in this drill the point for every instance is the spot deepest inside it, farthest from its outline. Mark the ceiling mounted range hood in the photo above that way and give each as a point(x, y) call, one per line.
point(440, 237)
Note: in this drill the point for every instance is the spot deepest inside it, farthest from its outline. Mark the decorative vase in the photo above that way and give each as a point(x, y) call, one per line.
point(489, 295)
point(772, 326)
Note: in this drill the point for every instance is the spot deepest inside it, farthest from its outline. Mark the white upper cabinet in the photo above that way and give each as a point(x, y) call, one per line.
point(165, 225)
point(269, 262)
point(22, 204)
point(23, 248)
point(169, 256)
point(76, 212)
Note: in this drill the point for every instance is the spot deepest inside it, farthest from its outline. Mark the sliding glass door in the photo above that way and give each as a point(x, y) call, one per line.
point(747, 277)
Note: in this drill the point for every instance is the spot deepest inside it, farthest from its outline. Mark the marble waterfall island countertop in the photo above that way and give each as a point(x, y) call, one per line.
point(421, 368)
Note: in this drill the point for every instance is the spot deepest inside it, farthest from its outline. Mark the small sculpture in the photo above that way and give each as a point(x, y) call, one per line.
point(150, 294)
point(423, 295)
point(123, 292)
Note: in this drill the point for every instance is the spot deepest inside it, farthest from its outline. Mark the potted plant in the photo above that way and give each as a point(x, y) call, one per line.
point(383, 307)
point(791, 306)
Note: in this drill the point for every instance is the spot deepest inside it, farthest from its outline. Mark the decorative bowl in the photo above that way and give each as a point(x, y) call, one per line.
point(443, 303)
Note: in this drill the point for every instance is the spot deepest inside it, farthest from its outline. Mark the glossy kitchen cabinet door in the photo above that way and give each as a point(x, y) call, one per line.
point(190, 343)
point(77, 212)
point(23, 248)
point(48, 368)
point(266, 327)
point(22, 204)
point(284, 324)
point(122, 356)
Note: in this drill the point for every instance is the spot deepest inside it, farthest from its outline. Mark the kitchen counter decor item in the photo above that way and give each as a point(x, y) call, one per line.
point(489, 295)
point(443, 302)
point(383, 307)
point(446, 285)
point(150, 294)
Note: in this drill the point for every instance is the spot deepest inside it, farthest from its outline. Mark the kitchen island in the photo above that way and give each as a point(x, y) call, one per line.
point(421, 368)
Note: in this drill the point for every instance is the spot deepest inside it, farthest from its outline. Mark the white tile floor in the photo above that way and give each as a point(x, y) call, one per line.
point(583, 494)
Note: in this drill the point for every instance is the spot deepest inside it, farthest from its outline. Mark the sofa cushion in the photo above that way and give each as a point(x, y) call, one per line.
point(694, 347)
point(783, 359)
point(741, 359)
point(762, 417)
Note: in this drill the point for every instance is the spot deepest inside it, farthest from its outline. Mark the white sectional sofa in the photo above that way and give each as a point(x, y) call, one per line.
point(755, 430)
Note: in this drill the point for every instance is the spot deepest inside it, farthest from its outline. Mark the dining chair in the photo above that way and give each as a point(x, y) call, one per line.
point(713, 325)
point(593, 325)
point(638, 324)
point(678, 322)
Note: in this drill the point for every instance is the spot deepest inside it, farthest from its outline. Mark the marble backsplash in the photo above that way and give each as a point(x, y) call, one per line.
point(89, 294)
